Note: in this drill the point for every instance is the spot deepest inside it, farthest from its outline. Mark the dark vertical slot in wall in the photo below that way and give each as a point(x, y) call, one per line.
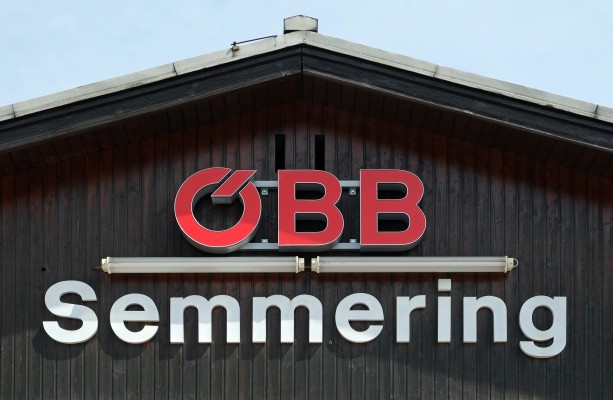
point(320, 152)
point(279, 152)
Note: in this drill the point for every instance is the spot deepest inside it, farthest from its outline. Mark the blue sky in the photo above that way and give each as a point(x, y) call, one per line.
point(563, 47)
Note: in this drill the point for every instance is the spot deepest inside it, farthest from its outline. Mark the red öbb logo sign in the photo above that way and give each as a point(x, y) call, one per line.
point(225, 187)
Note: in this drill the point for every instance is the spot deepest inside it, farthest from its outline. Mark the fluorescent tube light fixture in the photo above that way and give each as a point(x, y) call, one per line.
point(214, 265)
point(412, 264)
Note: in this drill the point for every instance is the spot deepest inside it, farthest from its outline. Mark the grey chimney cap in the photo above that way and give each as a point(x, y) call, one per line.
point(300, 23)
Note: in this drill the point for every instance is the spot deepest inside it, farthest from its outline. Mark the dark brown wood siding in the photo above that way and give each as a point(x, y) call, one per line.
point(60, 217)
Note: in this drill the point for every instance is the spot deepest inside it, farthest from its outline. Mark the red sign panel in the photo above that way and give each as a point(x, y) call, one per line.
point(225, 188)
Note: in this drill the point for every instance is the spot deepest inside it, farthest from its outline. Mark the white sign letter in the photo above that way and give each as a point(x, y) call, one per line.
point(404, 306)
point(74, 311)
point(344, 315)
point(205, 308)
point(119, 314)
point(499, 313)
point(557, 331)
point(287, 308)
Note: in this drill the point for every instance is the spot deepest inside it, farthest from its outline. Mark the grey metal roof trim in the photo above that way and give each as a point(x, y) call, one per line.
point(319, 41)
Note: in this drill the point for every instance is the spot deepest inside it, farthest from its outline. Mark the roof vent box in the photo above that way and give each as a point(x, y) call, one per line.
point(299, 23)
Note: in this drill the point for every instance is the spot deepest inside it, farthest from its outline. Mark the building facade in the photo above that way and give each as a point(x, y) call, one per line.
point(507, 171)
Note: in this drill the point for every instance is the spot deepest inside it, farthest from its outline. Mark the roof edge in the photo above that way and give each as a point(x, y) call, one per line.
point(317, 40)
point(147, 76)
point(468, 79)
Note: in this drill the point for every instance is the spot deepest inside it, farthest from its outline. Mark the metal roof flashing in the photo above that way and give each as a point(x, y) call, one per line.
point(311, 39)
point(463, 78)
point(6, 112)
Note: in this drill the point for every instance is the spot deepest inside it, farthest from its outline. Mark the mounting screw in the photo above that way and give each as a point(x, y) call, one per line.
point(353, 240)
point(353, 192)
point(264, 240)
point(264, 192)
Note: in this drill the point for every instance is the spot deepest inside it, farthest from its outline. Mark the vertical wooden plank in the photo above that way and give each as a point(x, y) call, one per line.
point(398, 352)
point(35, 157)
point(580, 334)
point(283, 122)
point(333, 94)
point(22, 331)
point(594, 291)
point(50, 215)
point(455, 125)
point(203, 362)
point(90, 142)
point(49, 347)
point(148, 249)
point(454, 228)
point(78, 270)
point(274, 350)
point(372, 376)
point(190, 349)
point(92, 257)
point(427, 339)
point(118, 135)
point(77, 145)
point(539, 221)
point(35, 274)
point(586, 160)
point(246, 101)
point(307, 88)
point(606, 254)
point(385, 341)
point(259, 367)
point(232, 137)
point(217, 383)
point(357, 365)
point(204, 112)
point(497, 281)
point(336, 360)
point(232, 104)
point(469, 248)
point(347, 97)
point(47, 151)
point(552, 266)
point(441, 246)
point(119, 238)
point(413, 366)
point(20, 159)
point(175, 239)
point(246, 348)
point(525, 247)
point(175, 119)
point(511, 248)
point(375, 105)
point(567, 239)
point(132, 248)
point(330, 138)
point(369, 364)
point(133, 132)
point(333, 365)
point(63, 269)
point(484, 232)
point(305, 385)
point(105, 334)
point(334, 125)
point(390, 108)
point(350, 364)
point(7, 284)
point(7, 165)
point(161, 221)
point(245, 290)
